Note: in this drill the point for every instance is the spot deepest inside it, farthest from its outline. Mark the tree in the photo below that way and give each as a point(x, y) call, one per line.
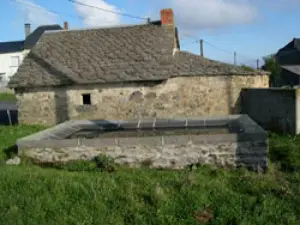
point(271, 65)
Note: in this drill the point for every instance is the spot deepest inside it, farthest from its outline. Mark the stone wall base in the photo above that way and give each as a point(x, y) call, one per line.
point(252, 155)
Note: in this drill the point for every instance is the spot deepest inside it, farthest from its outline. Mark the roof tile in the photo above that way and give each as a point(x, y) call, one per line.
point(133, 53)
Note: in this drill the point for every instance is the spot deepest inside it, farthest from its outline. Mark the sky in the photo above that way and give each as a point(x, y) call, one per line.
point(251, 28)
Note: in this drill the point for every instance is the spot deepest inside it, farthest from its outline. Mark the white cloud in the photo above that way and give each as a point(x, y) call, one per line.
point(36, 14)
point(194, 15)
point(94, 17)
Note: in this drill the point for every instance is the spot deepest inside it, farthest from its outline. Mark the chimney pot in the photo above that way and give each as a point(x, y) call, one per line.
point(66, 25)
point(167, 17)
point(27, 29)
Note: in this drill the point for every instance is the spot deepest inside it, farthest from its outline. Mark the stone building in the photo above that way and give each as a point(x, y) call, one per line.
point(125, 72)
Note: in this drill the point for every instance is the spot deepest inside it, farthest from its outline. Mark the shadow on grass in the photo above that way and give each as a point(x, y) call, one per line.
point(98, 164)
point(11, 151)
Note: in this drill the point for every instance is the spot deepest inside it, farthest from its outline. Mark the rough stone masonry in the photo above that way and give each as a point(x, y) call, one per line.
point(245, 145)
point(181, 96)
point(175, 156)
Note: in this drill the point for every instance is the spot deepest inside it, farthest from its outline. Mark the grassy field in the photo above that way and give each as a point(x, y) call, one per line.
point(83, 194)
point(7, 97)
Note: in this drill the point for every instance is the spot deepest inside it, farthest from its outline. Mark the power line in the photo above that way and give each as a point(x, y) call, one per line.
point(220, 49)
point(216, 47)
point(106, 10)
point(247, 58)
point(184, 44)
point(196, 39)
point(51, 11)
point(212, 45)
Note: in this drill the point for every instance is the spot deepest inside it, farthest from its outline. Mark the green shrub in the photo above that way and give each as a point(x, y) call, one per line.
point(285, 150)
point(105, 163)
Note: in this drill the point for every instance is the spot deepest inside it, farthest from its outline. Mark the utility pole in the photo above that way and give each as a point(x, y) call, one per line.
point(257, 64)
point(235, 58)
point(201, 48)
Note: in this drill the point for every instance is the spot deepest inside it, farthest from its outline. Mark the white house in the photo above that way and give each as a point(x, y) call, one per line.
point(13, 53)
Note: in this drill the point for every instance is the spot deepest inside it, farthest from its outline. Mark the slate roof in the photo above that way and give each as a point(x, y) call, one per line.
point(292, 68)
point(290, 53)
point(12, 46)
point(110, 55)
point(30, 41)
point(189, 64)
point(293, 45)
point(33, 38)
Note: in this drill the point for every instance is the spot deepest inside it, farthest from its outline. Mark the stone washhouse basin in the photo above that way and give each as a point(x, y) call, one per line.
point(228, 141)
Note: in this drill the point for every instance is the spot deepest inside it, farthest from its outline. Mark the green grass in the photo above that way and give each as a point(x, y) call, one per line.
point(7, 97)
point(81, 193)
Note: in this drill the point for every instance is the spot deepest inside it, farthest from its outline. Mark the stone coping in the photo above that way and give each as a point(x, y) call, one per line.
point(242, 129)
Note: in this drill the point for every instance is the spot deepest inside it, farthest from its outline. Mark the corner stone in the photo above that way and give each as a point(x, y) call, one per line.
point(14, 161)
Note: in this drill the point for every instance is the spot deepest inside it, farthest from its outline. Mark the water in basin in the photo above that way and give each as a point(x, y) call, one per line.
point(111, 133)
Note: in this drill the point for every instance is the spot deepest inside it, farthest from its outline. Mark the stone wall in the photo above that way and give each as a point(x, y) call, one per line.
point(275, 109)
point(183, 96)
point(174, 152)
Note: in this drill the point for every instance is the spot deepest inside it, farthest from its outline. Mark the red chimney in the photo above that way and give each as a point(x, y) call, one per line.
point(167, 17)
point(66, 25)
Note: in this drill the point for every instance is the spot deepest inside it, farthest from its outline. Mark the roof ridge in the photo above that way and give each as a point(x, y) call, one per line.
point(48, 25)
point(103, 27)
point(212, 62)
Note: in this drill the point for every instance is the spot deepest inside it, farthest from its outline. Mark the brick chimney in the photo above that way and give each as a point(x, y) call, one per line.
point(167, 17)
point(27, 29)
point(66, 25)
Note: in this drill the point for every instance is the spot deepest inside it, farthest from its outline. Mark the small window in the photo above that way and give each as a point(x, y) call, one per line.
point(86, 99)
point(15, 61)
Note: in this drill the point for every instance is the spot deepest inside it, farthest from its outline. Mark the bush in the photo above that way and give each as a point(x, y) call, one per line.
point(285, 150)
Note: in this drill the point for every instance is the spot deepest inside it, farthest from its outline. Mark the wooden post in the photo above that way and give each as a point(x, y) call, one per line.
point(201, 48)
point(235, 58)
point(9, 117)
